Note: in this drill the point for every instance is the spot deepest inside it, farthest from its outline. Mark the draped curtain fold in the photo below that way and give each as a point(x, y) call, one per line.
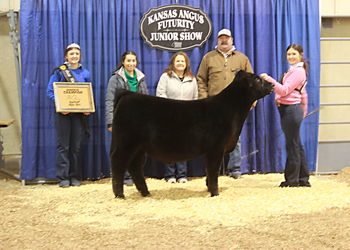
point(106, 29)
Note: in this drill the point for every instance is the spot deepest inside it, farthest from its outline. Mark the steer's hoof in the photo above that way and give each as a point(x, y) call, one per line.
point(214, 194)
point(120, 196)
point(146, 194)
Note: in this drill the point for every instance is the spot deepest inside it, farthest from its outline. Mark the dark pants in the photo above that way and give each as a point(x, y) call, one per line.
point(176, 170)
point(127, 176)
point(296, 169)
point(235, 161)
point(70, 133)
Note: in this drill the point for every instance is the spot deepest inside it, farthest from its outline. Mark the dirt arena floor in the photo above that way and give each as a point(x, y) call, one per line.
point(250, 213)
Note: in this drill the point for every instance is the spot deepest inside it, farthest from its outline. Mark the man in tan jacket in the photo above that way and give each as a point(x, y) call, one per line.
point(216, 71)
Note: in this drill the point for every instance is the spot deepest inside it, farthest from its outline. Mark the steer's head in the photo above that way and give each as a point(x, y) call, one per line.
point(258, 87)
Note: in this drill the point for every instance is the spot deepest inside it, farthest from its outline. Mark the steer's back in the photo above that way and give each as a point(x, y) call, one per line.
point(167, 129)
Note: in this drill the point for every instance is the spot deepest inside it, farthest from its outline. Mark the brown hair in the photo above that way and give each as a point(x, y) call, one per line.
point(171, 67)
point(129, 52)
point(299, 48)
point(69, 49)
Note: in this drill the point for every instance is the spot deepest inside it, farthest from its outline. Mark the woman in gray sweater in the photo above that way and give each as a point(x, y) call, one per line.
point(126, 76)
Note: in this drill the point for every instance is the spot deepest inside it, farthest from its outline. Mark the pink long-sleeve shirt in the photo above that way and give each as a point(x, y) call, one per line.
point(293, 79)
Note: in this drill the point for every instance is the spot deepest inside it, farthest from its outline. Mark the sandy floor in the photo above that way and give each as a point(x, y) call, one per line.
point(249, 213)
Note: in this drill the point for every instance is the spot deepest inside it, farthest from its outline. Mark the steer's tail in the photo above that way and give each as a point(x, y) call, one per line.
point(119, 93)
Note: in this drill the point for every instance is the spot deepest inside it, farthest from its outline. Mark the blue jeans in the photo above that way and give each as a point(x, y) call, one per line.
point(127, 176)
point(176, 170)
point(234, 164)
point(296, 168)
point(70, 133)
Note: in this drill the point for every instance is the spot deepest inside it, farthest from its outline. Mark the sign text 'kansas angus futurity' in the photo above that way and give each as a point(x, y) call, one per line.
point(175, 27)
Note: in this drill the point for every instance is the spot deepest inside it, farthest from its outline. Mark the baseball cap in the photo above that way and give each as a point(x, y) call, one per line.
point(73, 46)
point(224, 32)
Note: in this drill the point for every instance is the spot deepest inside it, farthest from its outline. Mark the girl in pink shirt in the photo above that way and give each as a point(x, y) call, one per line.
point(291, 100)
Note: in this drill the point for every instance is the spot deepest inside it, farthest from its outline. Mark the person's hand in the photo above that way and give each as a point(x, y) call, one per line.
point(253, 106)
point(110, 129)
point(86, 113)
point(65, 113)
point(264, 76)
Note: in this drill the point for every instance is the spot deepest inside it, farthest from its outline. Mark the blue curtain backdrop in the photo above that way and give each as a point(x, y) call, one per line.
point(106, 29)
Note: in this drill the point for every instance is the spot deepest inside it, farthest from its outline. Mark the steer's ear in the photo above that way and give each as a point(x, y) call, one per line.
point(237, 70)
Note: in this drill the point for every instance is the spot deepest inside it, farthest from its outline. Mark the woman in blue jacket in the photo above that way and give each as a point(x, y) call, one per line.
point(69, 126)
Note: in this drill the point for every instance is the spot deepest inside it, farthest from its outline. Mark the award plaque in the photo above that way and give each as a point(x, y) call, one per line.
point(74, 97)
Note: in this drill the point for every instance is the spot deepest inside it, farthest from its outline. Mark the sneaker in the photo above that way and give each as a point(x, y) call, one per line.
point(171, 180)
point(75, 182)
point(182, 180)
point(128, 182)
point(64, 184)
point(234, 175)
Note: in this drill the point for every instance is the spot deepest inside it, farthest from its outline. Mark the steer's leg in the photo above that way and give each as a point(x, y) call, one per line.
point(136, 172)
point(212, 165)
point(119, 164)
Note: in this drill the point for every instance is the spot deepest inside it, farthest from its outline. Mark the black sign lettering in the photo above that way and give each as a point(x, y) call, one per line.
point(175, 27)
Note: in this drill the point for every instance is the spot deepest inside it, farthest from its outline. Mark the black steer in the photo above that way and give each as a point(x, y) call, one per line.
point(175, 131)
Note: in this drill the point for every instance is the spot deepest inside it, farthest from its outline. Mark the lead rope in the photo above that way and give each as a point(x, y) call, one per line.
point(265, 161)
